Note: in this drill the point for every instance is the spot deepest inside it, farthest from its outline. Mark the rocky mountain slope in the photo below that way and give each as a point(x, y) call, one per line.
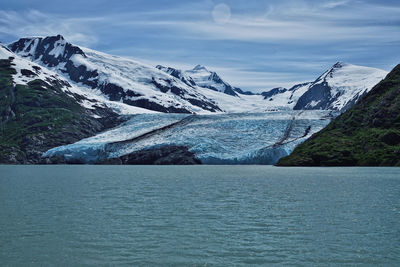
point(210, 79)
point(198, 90)
point(200, 76)
point(119, 79)
point(337, 89)
point(368, 134)
point(340, 87)
point(39, 110)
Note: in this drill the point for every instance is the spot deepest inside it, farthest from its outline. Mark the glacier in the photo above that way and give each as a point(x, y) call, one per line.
point(241, 138)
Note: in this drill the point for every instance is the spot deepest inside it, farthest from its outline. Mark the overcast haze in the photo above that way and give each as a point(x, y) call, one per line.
point(253, 44)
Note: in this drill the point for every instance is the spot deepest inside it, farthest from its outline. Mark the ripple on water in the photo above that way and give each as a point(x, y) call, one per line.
point(198, 215)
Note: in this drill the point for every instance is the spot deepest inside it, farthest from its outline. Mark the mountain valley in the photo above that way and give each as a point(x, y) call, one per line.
point(68, 100)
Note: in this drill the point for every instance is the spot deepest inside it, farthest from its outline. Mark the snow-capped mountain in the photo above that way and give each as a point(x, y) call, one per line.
point(210, 79)
point(178, 74)
point(340, 87)
point(337, 89)
point(27, 71)
point(201, 77)
point(285, 98)
point(126, 82)
point(198, 90)
point(120, 79)
point(39, 109)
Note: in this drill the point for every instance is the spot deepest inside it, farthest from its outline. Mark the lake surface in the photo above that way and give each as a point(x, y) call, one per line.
point(198, 216)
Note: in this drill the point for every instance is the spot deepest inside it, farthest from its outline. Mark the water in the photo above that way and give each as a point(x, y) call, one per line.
point(198, 216)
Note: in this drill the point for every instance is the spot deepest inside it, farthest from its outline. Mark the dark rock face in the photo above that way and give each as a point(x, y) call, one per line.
point(213, 77)
point(12, 155)
point(297, 86)
point(27, 73)
point(177, 74)
point(116, 93)
point(229, 90)
point(36, 48)
point(43, 49)
point(166, 155)
point(204, 105)
point(194, 100)
point(320, 93)
point(273, 92)
point(80, 74)
point(240, 91)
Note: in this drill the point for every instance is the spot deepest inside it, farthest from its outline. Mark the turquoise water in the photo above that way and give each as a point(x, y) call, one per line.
point(198, 216)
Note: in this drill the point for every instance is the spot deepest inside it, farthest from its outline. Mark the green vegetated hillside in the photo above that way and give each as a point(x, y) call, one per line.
point(367, 134)
point(38, 116)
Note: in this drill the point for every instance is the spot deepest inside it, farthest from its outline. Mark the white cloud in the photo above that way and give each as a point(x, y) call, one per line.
point(352, 24)
point(284, 22)
point(35, 23)
point(335, 4)
point(302, 23)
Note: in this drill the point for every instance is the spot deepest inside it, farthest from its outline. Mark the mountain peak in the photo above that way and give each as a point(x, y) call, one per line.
point(340, 87)
point(199, 67)
point(339, 64)
point(215, 77)
point(60, 37)
point(50, 38)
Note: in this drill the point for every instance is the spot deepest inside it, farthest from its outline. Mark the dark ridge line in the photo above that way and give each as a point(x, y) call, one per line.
point(288, 130)
point(183, 121)
point(286, 134)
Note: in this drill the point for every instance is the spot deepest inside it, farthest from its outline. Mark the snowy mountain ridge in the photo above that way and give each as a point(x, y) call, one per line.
point(336, 89)
point(178, 74)
point(119, 79)
point(210, 79)
point(198, 90)
point(340, 87)
point(27, 71)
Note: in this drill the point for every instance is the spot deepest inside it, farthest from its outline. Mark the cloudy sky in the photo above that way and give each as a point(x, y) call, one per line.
point(252, 44)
